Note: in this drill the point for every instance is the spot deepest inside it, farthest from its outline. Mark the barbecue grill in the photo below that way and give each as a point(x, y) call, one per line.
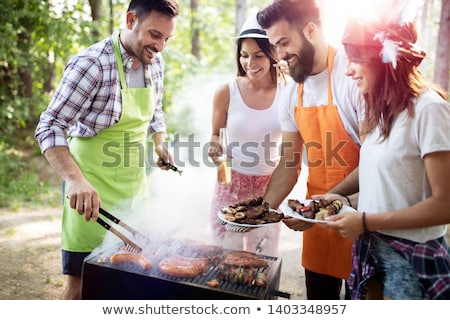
point(103, 280)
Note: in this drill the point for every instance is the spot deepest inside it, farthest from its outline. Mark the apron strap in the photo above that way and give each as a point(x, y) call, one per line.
point(330, 69)
point(115, 39)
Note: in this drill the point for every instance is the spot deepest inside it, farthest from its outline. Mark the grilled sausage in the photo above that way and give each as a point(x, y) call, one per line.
point(243, 259)
point(135, 259)
point(202, 263)
point(179, 268)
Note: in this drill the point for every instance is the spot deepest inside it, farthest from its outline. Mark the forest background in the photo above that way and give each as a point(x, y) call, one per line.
point(37, 38)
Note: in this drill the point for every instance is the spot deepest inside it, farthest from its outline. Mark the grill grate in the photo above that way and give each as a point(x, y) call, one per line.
point(103, 280)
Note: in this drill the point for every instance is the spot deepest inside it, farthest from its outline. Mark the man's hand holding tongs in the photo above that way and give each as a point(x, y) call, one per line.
point(84, 198)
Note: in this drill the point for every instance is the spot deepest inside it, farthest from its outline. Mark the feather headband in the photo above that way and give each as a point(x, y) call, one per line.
point(392, 32)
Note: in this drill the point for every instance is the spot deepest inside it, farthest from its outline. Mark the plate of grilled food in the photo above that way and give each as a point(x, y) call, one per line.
point(314, 211)
point(252, 213)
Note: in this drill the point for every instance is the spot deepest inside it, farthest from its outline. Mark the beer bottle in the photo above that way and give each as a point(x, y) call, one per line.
point(224, 164)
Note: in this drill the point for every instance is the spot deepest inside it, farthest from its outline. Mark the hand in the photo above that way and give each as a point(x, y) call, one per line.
point(283, 67)
point(297, 224)
point(164, 157)
point(329, 196)
point(83, 198)
point(215, 151)
point(283, 70)
point(348, 224)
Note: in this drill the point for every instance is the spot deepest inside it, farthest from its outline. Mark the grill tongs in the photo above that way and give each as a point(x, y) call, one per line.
point(130, 245)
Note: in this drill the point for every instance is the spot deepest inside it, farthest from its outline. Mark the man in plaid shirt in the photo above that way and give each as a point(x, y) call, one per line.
point(94, 130)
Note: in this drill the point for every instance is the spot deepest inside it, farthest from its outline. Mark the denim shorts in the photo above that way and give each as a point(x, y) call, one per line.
point(72, 262)
point(399, 279)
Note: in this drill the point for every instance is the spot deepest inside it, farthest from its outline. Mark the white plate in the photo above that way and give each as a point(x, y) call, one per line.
point(289, 212)
point(234, 228)
point(230, 227)
point(222, 220)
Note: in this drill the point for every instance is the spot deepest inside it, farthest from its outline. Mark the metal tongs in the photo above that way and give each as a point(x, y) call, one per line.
point(170, 166)
point(130, 245)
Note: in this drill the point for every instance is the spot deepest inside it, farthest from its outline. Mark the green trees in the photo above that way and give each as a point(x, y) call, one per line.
point(35, 40)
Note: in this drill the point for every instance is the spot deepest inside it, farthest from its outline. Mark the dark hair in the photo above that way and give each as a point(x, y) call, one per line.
point(144, 7)
point(266, 47)
point(295, 12)
point(394, 89)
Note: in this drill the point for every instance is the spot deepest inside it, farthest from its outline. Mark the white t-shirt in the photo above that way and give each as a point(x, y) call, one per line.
point(315, 93)
point(254, 135)
point(392, 173)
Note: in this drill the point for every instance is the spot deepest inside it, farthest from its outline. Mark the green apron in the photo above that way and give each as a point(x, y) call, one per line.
point(113, 162)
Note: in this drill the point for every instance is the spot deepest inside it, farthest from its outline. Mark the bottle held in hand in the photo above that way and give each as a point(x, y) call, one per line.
point(224, 164)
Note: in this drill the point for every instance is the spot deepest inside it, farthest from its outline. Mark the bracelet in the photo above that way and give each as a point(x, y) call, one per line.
point(364, 222)
point(349, 202)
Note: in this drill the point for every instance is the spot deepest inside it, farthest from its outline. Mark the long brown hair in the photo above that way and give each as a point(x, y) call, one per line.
point(393, 89)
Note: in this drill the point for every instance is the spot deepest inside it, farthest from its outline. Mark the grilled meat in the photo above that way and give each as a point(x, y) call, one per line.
point(316, 209)
point(252, 211)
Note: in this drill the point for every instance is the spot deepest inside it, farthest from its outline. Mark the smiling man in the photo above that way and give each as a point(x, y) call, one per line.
point(110, 93)
point(321, 113)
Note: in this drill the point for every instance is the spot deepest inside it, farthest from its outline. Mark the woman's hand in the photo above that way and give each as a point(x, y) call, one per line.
point(282, 70)
point(348, 224)
point(329, 197)
point(214, 151)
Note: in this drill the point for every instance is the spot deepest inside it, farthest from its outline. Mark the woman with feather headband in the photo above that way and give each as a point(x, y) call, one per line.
point(400, 251)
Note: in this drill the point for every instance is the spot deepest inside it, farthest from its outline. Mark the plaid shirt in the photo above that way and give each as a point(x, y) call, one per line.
point(431, 261)
point(88, 98)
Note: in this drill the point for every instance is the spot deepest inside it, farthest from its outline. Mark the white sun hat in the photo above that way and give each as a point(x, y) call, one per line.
point(252, 29)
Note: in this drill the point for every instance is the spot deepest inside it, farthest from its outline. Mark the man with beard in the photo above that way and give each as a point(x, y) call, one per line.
point(109, 99)
point(321, 115)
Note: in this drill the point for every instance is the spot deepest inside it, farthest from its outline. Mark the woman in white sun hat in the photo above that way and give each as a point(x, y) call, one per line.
point(247, 106)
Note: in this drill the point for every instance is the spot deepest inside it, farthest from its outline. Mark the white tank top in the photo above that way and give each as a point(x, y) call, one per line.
point(254, 135)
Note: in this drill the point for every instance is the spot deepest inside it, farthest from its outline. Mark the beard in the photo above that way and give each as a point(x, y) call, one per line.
point(304, 62)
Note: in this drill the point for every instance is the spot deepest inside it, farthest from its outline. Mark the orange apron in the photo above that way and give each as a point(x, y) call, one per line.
point(332, 155)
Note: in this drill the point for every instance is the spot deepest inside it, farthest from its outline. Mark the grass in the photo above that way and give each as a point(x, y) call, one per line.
point(21, 184)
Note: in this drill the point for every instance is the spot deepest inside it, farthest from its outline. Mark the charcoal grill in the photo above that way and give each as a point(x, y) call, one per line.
point(103, 280)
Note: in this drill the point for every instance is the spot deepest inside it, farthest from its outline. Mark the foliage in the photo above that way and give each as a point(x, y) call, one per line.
point(34, 39)
point(19, 183)
point(35, 42)
point(182, 66)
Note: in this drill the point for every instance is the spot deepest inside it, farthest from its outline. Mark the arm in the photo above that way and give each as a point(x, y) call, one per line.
point(157, 126)
point(286, 173)
point(429, 212)
point(161, 151)
point(221, 101)
point(285, 177)
point(66, 107)
point(81, 194)
point(348, 187)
